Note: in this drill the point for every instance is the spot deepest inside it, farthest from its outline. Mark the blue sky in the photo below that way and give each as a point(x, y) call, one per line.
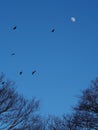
point(66, 60)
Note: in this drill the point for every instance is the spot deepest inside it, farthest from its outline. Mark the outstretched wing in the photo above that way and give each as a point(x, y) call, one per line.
point(53, 30)
point(33, 72)
point(14, 27)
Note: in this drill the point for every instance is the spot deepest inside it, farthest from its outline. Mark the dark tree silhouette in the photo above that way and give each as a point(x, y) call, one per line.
point(86, 111)
point(55, 123)
point(17, 113)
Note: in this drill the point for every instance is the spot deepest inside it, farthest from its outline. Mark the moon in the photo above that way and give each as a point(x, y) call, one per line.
point(73, 19)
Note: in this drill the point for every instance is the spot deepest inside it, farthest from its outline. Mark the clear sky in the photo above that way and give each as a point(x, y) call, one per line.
point(65, 60)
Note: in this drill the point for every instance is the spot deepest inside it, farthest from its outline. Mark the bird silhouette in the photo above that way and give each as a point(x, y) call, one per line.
point(53, 30)
point(14, 28)
point(20, 73)
point(13, 54)
point(33, 72)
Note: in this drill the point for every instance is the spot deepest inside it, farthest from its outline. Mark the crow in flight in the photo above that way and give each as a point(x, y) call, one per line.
point(20, 72)
point(14, 27)
point(33, 72)
point(13, 54)
point(53, 30)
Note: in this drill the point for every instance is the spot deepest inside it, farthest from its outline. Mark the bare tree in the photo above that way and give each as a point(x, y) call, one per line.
point(55, 123)
point(17, 113)
point(86, 112)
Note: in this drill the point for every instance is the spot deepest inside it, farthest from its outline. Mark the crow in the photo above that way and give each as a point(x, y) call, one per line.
point(20, 72)
point(14, 27)
point(13, 54)
point(34, 71)
point(53, 30)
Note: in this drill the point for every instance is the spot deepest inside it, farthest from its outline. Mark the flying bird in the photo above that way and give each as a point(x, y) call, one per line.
point(33, 72)
point(13, 54)
point(14, 28)
point(53, 30)
point(20, 73)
